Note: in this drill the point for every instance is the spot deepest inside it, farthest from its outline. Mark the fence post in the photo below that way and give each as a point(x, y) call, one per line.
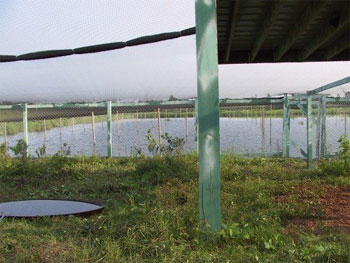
point(109, 128)
point(286, 127)
point(45, 133)
point(5, 133)
point(25, 123)
point(323, 126)
point(60, 127)
point(118, 125)
point(186, 122)
point(159, 129)
point(196, 123)
point(309, 131)
point(93, 128)
point(270, 124)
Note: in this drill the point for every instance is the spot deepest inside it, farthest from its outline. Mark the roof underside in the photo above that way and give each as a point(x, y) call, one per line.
point(255, 31)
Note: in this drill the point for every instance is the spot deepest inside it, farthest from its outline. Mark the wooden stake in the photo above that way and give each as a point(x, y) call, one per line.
point(45, 134)
point(5, 133)
point(186, 122)
point(60, 127)
point(118, 125)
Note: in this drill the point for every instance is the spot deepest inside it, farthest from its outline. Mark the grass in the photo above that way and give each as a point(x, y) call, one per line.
point(151, 212)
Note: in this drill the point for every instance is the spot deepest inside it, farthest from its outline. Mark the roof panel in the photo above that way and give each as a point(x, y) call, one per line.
point(315, 15)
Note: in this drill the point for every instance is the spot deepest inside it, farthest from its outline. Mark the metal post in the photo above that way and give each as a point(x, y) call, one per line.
point(345, 117)
point(118, 125)
point(73, 122)
point(196, 124)
point(159, 129)
point(109, 128)
point(60, 127)
point(93, 128)
point(286, 127)
point(270, 124)
point(323, 126)
point(186, 122)
point(318, 130)
point(208, 115)
point(45, 133)
point(25, 123)
point(309, 131)
point(5, 133)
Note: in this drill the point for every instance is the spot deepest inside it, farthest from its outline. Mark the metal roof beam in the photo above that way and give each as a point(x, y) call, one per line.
point(329, 86)
point(311, 12)
point(234, 18)
point(270, 19)
point(337, 48)
point(324, 35)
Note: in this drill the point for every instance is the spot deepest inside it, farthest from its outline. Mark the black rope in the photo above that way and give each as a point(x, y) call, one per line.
point(98, 48)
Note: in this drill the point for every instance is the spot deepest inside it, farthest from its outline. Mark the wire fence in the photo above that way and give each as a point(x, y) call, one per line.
point(247, 127)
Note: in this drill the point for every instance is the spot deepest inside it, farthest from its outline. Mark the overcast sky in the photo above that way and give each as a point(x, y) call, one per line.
point(153, 71)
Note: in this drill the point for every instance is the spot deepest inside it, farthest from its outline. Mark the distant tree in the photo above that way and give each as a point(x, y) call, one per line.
point(172, 98)
point(268, 95)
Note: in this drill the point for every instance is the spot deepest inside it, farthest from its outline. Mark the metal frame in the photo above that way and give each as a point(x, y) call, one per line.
point(208, 116)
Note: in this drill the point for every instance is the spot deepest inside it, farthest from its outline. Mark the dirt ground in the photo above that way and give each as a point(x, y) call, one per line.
point(330, 205)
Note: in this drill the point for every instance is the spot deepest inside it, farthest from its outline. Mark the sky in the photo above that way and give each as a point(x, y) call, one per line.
point(153, 71)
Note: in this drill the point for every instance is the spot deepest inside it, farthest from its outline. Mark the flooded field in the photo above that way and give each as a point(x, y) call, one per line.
point(238, 135)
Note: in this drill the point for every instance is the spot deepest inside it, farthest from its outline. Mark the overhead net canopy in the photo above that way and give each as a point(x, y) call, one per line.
point(132, 73)
point(144, 72)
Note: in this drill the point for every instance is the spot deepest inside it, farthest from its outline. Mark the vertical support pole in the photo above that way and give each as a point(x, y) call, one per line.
point(5, 133)
point(186, 122)
point(109, 128)
point(286, 127)
point(159, 129)
point(345, 117)
point(93, 128)
point(45, 133)
point(323, 126)
point(25, 123)
point(118, 125)
point(270, 124)
point(309, 131)
point(60, 127)
point(208, 116)
point(73, 123)
point(196, 123)
point(318, 130)
point(137, 129)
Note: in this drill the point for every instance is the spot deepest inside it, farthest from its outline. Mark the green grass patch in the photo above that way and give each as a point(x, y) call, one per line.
point(151, 212)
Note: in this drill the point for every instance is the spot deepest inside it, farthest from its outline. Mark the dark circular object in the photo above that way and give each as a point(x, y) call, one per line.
point(40, 208)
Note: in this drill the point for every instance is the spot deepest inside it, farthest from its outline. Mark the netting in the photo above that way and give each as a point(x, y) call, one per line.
point(83, 129)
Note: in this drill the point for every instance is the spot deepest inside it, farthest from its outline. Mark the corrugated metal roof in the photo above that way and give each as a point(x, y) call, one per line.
point(321, 30)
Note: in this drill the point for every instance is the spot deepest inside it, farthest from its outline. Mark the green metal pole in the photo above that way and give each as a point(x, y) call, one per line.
point(318, 130)
point(309, 131)
point(196, 123)
point(323, 126)
point(286, 127)
point(25, 123)
point(109, 128)
point(208, 116)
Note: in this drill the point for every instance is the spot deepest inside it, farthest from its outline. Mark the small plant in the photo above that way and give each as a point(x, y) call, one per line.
point(64, 151)
point(152, 145)
point(41, 151)
point(21, 152)
point(344, 153)
point(172, 145)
